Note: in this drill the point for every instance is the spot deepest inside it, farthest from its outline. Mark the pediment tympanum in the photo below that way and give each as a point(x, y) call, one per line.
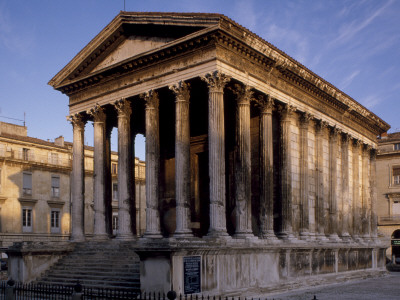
point(132, 46)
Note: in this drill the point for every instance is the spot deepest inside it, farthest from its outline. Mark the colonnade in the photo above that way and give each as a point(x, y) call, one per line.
point(338, 213)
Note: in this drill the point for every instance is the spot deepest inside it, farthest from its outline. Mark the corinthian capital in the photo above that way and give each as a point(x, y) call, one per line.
point(265, 102)
point(76, 120)
point(151, 98)
point(216, 81)
point(97, 112)
point(321, 125)
point(286, 111)
point(243, 93)
point(181, 91)
point(123, 107)
point(305, 118)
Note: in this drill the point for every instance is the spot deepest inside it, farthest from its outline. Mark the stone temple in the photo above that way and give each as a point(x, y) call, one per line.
point(259, 173)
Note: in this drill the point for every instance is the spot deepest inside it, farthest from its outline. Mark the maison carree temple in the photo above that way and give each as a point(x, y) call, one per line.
point(259, 173)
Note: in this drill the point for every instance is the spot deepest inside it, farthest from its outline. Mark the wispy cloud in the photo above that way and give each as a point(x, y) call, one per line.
point(371, 101)
point(350, 30)
point(348, 80)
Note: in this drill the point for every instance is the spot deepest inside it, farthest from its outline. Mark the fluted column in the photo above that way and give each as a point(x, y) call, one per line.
point(243, 163)
point(266, 170)
point(182, 159)
point(108, 180)
point(78, 178)
point(286, 230)
point(304, 182)
point(126, 205)
point(365, 213)
point(152, 165)
point(333, 156)
point(374, 217)
point(356, 191)
point(345, 207)
point(99, 176)
point(320, 202)
point(216, 151)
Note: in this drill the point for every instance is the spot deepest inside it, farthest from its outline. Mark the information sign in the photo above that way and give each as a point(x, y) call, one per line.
point(192, 274)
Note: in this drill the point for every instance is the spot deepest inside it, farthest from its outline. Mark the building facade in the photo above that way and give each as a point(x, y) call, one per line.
point(35, 194)
point(253, 162)
point(388, 187)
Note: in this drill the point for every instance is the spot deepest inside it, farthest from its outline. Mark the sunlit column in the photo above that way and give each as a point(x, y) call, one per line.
point(356, 190)
point(216, 146)
point(126, 205)
point(182, 159)
point(345, 207)
point(78, 178)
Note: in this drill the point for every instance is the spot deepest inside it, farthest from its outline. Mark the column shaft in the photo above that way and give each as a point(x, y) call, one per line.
point(356, 190)
point(286, 231)
point(243, 163)
point(266, 171)
point(333, 156)
point(374, 218)
point(365, 215)
point(126, 205)
point(99, 176)
point(216, 146)
point(345, 213)
point(320, 187)
point(182, 159)
point(78, 178)
point(152, 165)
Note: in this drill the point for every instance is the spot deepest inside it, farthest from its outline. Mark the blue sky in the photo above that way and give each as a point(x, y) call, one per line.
point(355, 45)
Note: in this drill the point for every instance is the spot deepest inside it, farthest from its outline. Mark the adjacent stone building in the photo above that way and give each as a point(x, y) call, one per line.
point(258, 171)
point(35, 194)
point(388, 188)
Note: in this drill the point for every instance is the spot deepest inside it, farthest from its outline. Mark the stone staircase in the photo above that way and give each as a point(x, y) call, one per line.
point(96, 265)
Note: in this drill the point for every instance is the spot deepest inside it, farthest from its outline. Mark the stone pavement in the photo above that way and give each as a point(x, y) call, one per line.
point(386, 288)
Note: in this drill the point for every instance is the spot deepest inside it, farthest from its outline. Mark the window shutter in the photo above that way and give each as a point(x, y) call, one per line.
point(27, 181)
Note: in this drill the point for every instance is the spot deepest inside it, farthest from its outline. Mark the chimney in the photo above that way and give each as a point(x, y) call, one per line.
point(59, 141)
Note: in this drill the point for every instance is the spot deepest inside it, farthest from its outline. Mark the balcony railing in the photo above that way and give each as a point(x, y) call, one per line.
point(392, 219)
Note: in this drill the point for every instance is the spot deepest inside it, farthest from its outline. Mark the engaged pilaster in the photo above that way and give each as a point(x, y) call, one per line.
point(356, 191)
point(99, 176)
point(266, 169)
point(152, 165)
point(320, 202)
point(345, 206)
point(286, 231)
point(243, 163)
point(78, 178)
point(182, 159)
point(126, 205)
point(304, 182)
point(333, 156)
point(216, 145)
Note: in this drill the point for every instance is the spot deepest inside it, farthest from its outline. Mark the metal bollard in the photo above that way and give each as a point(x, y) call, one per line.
point(315, 298)
point(77, 295)
point(10, 290)
point(171, 295)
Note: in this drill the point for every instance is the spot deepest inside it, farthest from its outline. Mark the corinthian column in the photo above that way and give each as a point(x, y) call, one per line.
point(374, 218)
point(126, 205)
point(243, 163)
point(356, 191)
point(304, 182)
point(78, 178)
point(345, 189)
point(182, 159)
point(152, 165)
point(320, 202)
point(99, 176)
point(333, 156)
point(286, 231)
point(216, 151)
point(365, 214)
point(266, 170)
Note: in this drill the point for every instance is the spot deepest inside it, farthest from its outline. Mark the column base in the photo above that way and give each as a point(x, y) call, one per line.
point(152, 235)
point(304, 235)
point(334, 238)
point(183, 234)
point(126, 237)
point(321, 237)
point(244, 235)
point(287, 236)
point(78, 238)
point(269, 236)
point(346, 238)
point(217, 234)
point(101, 237)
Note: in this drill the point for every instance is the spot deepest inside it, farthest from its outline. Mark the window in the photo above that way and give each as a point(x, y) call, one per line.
point(397, 146)
point(25, 154)
point(115, 223)
point(27, 184)
point(26, 219)
point(55, 186)
point(54, 158)
point(0, 180)
point(114, 168)
point(55, 221)
point(396, 175)
point(115, 191)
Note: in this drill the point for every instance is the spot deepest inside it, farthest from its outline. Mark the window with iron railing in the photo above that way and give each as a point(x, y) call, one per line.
point(26, 220)
point(55, 220)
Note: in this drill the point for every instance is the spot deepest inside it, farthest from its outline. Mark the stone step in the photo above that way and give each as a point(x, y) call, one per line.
point(88, 274)
point(94, 285)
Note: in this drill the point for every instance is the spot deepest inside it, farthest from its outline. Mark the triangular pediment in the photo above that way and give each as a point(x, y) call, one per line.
point(132, 46)
point(128, 35)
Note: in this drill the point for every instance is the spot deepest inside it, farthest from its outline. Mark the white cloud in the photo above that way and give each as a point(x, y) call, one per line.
point(348, 80)
point(371, 101)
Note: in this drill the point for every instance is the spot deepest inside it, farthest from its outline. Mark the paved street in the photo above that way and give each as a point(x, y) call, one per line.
point(385, 288)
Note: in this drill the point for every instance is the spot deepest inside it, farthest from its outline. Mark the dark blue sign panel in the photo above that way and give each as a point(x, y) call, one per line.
point(192, 274)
